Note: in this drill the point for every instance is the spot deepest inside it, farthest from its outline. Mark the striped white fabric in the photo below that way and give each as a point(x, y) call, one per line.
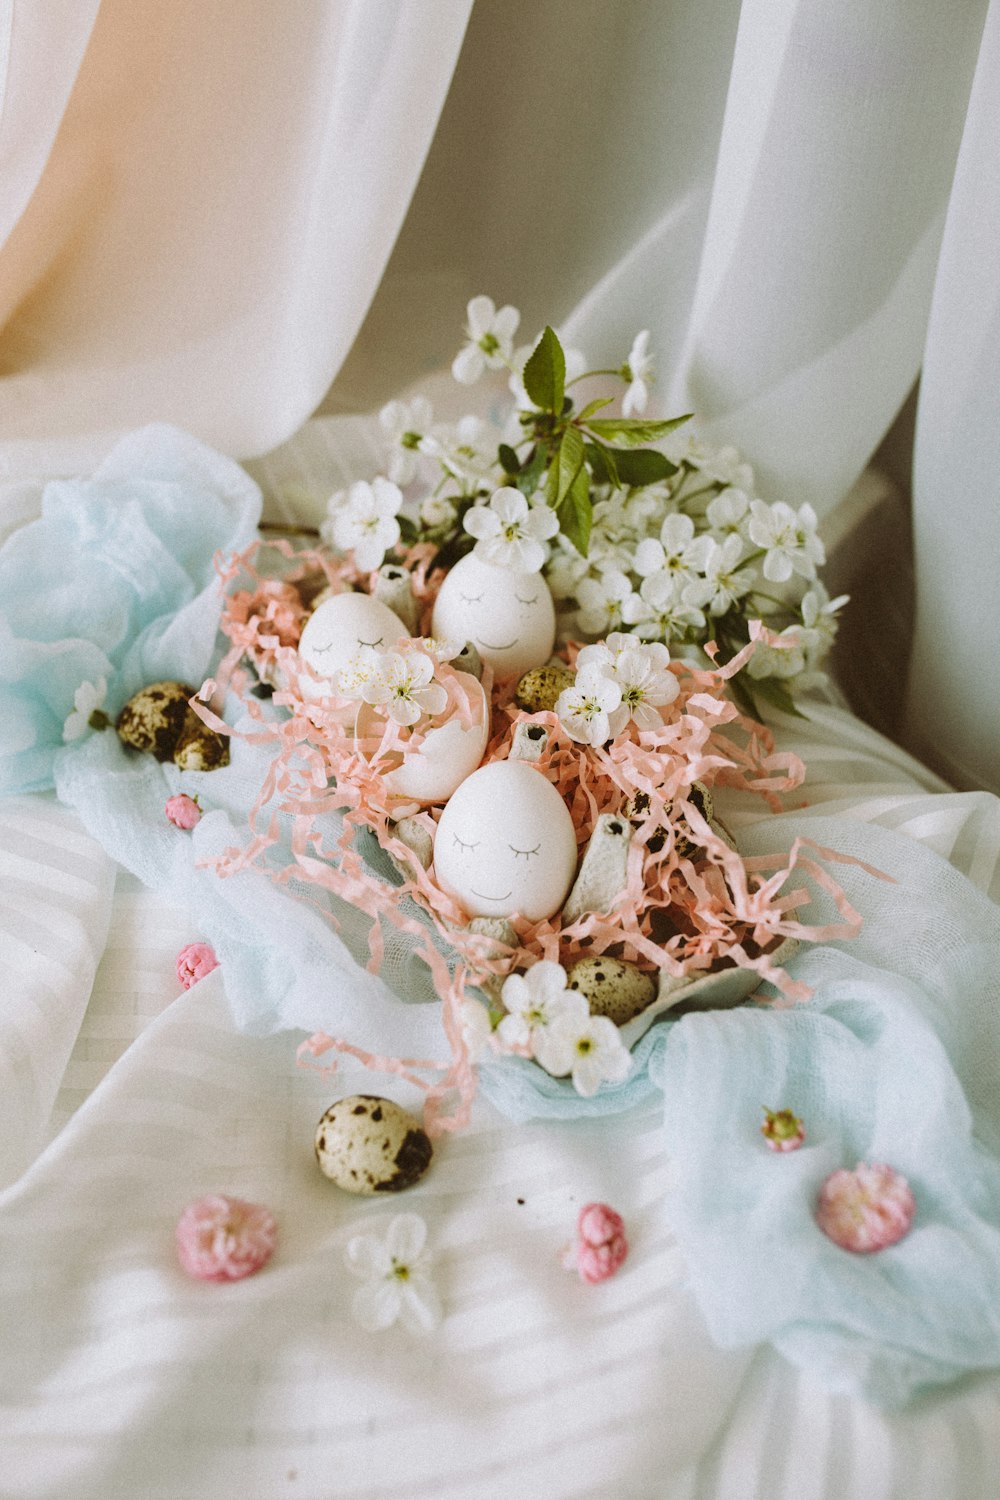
point(120, 1377)
point(121, 1100)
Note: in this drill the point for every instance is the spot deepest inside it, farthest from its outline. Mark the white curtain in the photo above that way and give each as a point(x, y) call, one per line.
point(198, 202)
point(765, 185)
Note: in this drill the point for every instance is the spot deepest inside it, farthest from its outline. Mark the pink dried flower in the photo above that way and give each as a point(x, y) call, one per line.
point(782, 1130)
point(183, 811)
point(224, 1239)
point(600, 1246)
point(867, 1209)
point(194, 962)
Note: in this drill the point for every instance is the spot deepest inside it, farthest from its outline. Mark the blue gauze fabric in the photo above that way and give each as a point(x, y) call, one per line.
point(895, 1059)
point(117, 580)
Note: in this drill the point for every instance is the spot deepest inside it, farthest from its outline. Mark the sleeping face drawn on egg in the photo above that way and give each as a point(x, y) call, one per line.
point(506, 843)
point(509, 617)
point(336, 632)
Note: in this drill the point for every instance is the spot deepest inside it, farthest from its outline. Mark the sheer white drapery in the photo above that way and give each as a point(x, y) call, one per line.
point(218, 203)
point(765, 185)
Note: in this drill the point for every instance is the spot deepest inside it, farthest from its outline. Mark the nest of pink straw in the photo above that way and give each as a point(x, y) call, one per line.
point(691, 905)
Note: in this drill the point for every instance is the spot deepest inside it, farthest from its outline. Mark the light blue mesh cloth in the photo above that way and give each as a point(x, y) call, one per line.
point(116, 581)
point(895, 1059)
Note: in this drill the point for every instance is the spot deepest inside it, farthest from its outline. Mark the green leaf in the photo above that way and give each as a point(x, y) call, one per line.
point(633, 434)
point(595, 457)
point(604, 464)
point(592, 406)
point(408, 532)
point(530, 476)
point(545, 373)
point(576, 513)
point(641, 466)
point(509, 459)
point(567, 466)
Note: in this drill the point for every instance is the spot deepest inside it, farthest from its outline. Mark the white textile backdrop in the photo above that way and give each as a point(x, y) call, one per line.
point(198, 205)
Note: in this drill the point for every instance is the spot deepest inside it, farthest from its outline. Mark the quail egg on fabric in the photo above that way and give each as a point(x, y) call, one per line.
point(508, 616)
point(506, 843)
point(446, 756)
point(338, 630)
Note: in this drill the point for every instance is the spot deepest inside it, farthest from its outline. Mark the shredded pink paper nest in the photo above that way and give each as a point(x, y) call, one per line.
point(692, 904)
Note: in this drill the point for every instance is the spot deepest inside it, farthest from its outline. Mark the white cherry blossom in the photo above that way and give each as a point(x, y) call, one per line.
point(396, 1275)
point(724, 584)
point(438, 512)
point(640, 670)
point(789, 539)
point(363, 520)
point(476, 1026)
point(406, 425)
point(403, 686)
point(587, 1047)
point(600, 599)
point(88, 711)
point(466, 451)
point(723, 465)
point(678, 553)
point(638, 371)
point(490, 340)
point(585, 709)
point(533, 1002)
point(659, 610)
point(729, 512)
point(509, 533)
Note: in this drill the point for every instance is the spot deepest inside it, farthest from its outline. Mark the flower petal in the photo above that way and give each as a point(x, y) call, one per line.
point(366, 1256)
point(421, 1309)
point(377, 1305)
point(405, 1238)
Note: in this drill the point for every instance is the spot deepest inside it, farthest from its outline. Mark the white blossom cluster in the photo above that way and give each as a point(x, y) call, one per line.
point(684, 560)
point(693, 558)
point(620, 681)
point(552, 1024)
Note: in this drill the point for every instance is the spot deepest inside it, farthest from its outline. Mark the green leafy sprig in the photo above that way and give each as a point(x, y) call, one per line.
point(573, 449)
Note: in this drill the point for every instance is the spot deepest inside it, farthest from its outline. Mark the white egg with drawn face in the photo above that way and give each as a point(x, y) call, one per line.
point(509, 617)
point(505, 843)
point(336, 632)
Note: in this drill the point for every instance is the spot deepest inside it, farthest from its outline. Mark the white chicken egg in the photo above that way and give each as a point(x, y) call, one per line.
point(506, 843)
point(509, 617)
point(336, 632)
point(447, 755)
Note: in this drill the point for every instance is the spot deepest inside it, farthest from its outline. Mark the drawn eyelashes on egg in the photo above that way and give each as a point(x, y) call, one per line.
point(518, 853)
point(322, 650)
point(532, 600)
point(470, 598)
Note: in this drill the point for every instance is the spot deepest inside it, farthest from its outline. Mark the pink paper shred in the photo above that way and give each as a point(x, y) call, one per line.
point(677, 915)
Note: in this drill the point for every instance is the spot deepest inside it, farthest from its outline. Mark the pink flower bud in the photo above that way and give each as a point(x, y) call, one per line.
point(600, 1246)
point(782, 1130)
point(194, 962)
point(183, 811)
point(867, 1209)
point(225, 1239)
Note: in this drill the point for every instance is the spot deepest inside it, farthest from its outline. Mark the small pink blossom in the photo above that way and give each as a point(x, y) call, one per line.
point(782, 1130)
point(600, 1246)
point(194, 962)
point(225, 1239)
point(867, 1209)
point(183, 811)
